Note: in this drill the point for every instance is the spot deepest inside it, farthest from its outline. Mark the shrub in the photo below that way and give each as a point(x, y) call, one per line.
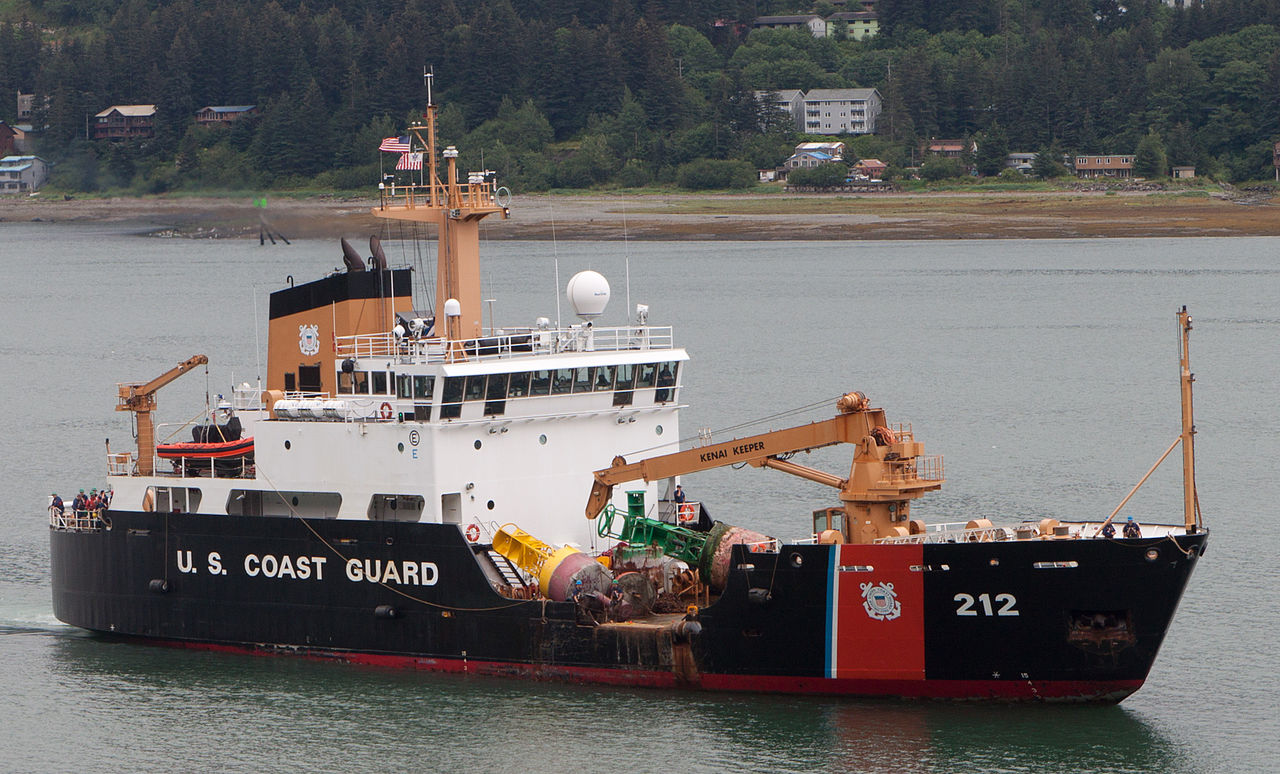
point(821, 176)
point(705, 174)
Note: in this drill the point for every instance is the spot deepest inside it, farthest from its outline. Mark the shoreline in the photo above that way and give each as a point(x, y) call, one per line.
point(679, 217)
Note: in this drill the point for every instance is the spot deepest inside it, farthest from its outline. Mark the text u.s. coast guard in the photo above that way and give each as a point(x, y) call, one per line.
point(402, 572)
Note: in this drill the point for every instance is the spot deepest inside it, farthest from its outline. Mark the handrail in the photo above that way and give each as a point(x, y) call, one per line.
point(76, 520)
point(514, 343)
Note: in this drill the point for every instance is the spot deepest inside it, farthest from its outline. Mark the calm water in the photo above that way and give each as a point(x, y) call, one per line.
point(1045, 372)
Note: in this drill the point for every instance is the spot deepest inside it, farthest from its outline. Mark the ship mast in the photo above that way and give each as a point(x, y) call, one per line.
point(456, 209)
point(1190, 503)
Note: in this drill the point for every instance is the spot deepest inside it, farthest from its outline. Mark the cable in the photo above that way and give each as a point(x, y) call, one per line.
point(294, 514)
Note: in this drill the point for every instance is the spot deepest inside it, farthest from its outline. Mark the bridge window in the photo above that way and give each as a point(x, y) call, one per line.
point(604, 377)
point(475, 388)
point(562, 382)
point(666, 383)
point(540, 382)
point(495, 397)
point(423, 386)
point(582, 378)
point(451, 400)
point(519, 385)
point(646, 375)
point(623, 386)
point(404, 386)
point(379, 382)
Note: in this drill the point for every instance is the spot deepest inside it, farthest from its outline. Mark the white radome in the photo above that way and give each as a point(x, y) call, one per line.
point(588, 292)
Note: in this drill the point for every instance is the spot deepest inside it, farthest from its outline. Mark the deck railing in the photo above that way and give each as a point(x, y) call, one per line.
point(506, 344)
point(76, 521)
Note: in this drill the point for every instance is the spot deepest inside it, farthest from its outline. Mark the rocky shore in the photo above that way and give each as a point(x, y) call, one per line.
point(1048, 215)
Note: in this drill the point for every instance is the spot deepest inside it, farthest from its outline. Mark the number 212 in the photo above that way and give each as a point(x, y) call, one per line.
point(1007, 602)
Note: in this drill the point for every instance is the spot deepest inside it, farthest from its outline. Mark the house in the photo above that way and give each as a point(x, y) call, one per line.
point(8, 139)
point(221, 115)
point(858, 24)
point(841, 111)
point(22, 138)
point(26, 103)
point(808, 159)
point(833, 149)
point(125, 122)
point(872, 169)
point(789, 101)
point(1184, 173)
point(1104, 166)
point(813, 23)
point(22, 174)
point(1023, 162)
point(949, 149)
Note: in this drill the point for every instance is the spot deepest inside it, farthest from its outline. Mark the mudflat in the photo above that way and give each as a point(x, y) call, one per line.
point(986, 215)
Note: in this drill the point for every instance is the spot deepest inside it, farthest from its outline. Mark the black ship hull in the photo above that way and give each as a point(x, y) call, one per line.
point(1012, 620)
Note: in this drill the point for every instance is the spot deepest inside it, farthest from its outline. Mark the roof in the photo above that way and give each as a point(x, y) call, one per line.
point(805, 19)
point(129, 110)
point(17, 159)
point(853, 16)
point(871, 163)
point(228, 108)
point(784, 95)
point(839, 94)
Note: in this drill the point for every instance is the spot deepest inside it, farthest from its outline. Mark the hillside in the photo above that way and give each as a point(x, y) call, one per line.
point(631, 92)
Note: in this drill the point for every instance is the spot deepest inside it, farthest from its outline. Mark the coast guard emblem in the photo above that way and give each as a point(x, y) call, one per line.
point(880, 602)
point(309, 339)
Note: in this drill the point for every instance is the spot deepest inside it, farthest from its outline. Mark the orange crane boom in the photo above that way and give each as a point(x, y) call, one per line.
point(887, 471)
point(140, 398)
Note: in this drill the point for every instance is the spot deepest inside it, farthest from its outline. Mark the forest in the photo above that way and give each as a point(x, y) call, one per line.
point(629, 93)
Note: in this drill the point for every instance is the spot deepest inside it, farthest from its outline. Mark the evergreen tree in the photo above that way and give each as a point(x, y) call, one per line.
point(1048, 163)
point(1149, 159)
point(993, 147)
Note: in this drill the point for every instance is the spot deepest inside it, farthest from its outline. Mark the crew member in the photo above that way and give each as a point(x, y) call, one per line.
point(1108, 530)
point(56, 504)
point(1131, 529)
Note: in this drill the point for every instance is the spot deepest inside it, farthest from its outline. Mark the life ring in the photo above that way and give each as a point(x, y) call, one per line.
point(385, 410)
point(473, 533)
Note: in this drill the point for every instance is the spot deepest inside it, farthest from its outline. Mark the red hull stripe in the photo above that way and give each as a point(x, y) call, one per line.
point(1009, 690)
point(875, 613)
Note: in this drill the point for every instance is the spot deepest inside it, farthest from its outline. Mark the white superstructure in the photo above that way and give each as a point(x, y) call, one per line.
point(509, 431)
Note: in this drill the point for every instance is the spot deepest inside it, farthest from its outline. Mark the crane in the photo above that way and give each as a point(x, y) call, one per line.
point(140, 398)
point(888, 469)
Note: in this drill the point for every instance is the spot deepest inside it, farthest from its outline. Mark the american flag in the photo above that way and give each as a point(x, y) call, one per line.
point(410, 161)
point(395, 144)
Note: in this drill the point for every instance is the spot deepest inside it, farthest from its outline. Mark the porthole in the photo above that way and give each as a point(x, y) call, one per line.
point(287, 446)
point(478, 444)
point(658, 429)
point(542, 439)
point(489, 505)
point(400, 447)
point(295, 501)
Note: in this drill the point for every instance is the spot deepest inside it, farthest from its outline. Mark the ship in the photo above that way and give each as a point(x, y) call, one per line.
point(428, 492)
